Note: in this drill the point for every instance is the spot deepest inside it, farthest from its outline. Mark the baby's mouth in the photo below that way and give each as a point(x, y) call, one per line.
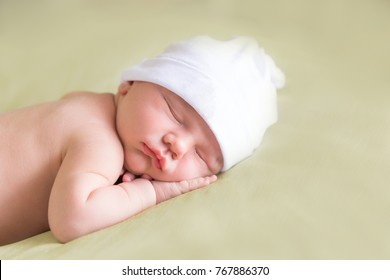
point(158, 160)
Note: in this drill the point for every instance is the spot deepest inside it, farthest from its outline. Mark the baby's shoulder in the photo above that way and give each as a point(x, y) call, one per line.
point(88, 115)
point(91, 141)
point(83, 106)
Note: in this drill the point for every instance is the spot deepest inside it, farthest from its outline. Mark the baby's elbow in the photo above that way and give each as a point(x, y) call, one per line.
point(65, 229)
point(61, 236)
point(62, 233)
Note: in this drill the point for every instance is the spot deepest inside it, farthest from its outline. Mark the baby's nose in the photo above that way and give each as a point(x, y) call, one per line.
point(178, 144)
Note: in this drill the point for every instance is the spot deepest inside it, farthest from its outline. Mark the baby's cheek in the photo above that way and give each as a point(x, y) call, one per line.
point(190, 168)
point(136, 163)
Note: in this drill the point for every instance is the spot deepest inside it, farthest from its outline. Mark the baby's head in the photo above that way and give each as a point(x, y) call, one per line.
point(199, 108)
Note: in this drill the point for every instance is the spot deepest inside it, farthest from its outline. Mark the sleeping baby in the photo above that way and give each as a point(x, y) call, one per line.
point(176, 121)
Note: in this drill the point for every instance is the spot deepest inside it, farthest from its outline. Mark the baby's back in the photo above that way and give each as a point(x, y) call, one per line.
point(32, 143)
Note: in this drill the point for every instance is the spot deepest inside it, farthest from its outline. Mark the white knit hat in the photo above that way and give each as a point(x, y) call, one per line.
point(231, 84)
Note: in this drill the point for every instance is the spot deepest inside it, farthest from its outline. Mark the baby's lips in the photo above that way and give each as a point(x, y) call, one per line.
point(158, 160)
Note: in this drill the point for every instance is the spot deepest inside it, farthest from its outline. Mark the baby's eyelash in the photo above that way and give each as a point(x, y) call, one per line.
point(198, 154)
point(172, 111)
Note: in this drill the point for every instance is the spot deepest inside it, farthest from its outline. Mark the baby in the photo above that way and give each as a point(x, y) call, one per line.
point(176, 121)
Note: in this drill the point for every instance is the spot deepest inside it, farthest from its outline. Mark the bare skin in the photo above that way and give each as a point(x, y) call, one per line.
point(60, 160)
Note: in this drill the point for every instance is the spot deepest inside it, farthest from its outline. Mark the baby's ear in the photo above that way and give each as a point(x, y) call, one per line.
point(124, 87)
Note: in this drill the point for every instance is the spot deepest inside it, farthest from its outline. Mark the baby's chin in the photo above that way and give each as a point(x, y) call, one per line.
point(147, 177)
point(158, 177)
point(166, 177)
point(162, 177)
point(175, 176)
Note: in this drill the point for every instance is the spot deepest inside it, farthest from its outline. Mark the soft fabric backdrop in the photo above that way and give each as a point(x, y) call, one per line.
point(319, 185)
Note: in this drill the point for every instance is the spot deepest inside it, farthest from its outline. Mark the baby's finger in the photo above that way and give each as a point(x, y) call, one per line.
point(128, 177)
point(167, 190)
point(196, 183)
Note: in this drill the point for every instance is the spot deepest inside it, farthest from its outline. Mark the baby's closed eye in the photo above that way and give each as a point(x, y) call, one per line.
point(172, 111)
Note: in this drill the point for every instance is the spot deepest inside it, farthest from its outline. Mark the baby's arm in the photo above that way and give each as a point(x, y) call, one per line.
point(84, 199)
point(166, 190)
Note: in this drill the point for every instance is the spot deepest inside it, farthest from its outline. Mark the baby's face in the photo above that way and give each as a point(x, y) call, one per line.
point(163, 136)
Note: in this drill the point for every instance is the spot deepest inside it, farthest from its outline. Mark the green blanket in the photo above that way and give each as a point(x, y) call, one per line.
point(319, 185)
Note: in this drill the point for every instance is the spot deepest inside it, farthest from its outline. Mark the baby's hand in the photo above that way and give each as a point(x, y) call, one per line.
point(167, 190)
point(128, 177)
